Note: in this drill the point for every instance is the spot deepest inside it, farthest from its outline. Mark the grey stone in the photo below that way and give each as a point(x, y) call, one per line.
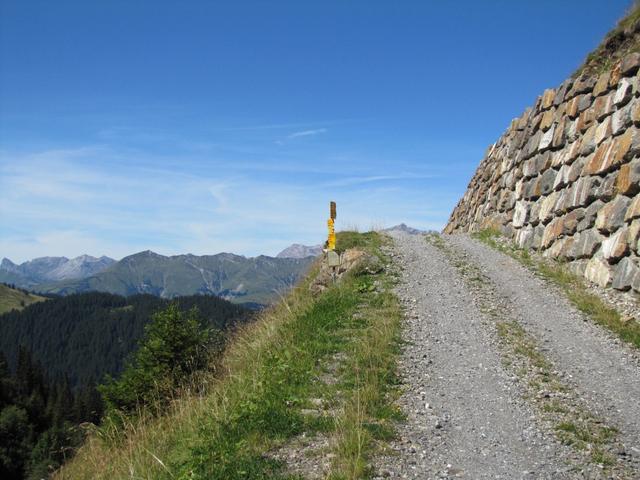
point(560, 206)
point(562, 92)
point(584, 103)
point(628, 179)
point(562, 179)
point(583, 84)
point(611, 216)
point(623, 93)
point(607, 189)
point(586, 244)
point(547, 205)
point(621, 120)
point(532, 144)
point(538, 233)
point(531, 189)
point(524, 237)
point(520, 214)
point(630, 64)
point(625, 273)
point(588, 141)
point(590, 215)
point(603, 131)
point(577, 267)
point(598, 271)
point(547, 180)
point(634, 209)
point(616, 246)
point(506, 201)
point(582, 192)
point(634, 235)
point(576, 169)
point(547, 138)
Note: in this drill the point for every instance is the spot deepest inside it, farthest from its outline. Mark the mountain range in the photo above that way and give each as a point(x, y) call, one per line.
point(300, 251)
point(51, 269)
point(256, 280)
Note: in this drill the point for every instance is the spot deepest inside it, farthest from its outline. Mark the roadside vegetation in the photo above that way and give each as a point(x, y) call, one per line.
point(620, 41)
point(313, 366)
point(575, 288)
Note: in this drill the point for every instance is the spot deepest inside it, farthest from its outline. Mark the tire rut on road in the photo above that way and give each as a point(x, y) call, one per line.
point(466, 417)
point(602, 369)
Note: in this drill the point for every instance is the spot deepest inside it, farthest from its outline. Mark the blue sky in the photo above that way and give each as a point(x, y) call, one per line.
point(228, 126)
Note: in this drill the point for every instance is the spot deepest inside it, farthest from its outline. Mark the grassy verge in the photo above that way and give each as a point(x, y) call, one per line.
point(259, 398)
point(574, 288)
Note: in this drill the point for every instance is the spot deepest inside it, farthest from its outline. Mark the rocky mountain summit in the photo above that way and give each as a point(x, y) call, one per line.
point(300, 251)
point(404, 228)
point(51, 269)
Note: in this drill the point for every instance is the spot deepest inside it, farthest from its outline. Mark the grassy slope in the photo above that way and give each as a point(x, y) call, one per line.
point(618, 42)
point(270, 374)
point(11, 299)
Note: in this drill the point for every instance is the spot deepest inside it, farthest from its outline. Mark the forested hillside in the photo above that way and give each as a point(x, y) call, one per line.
point(40, 418)
point(85, 336)
point(54, 354)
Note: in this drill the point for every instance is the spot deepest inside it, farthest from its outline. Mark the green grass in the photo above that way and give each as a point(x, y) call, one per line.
point(13, 299)
point(574, 287)
point(257, 398)
point(612, 48)
point(370, 241)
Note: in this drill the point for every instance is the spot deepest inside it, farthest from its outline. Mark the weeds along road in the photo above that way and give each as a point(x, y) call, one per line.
point(503, 377)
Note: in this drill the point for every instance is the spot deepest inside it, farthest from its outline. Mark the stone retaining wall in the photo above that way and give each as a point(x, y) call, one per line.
point(565, 178)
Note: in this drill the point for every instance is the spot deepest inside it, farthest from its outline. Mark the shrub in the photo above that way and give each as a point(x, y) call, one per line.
point(175, 345)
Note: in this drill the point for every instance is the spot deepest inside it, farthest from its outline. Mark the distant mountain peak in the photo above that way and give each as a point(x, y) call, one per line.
point(403, 227)
point(143, 254)
point(7, 264)
point(300, 251)
point(47, 269)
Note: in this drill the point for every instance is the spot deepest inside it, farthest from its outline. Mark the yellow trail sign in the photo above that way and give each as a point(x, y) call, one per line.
point(331, 241)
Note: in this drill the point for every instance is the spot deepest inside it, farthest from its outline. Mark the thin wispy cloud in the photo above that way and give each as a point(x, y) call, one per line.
point(352, 181)
point(308, 133)
point(279, 126)
point(117, 200)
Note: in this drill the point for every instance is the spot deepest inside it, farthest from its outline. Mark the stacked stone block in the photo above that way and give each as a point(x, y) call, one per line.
point(564, 178)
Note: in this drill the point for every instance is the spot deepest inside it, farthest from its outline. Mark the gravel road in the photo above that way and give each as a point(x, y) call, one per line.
point(604, 371)
point(466, 416)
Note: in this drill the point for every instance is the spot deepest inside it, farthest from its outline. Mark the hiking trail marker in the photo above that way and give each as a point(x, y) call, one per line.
point(333, 258)
point(331, 241)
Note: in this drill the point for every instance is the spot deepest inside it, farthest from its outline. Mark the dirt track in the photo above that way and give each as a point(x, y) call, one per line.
point(468, 414)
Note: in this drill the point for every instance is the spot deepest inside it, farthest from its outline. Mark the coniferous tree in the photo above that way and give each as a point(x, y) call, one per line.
point(175, 345)
point(15, 442)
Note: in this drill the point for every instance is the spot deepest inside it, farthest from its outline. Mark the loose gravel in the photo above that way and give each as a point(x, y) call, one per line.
point(601, 368)
point(466, 415)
